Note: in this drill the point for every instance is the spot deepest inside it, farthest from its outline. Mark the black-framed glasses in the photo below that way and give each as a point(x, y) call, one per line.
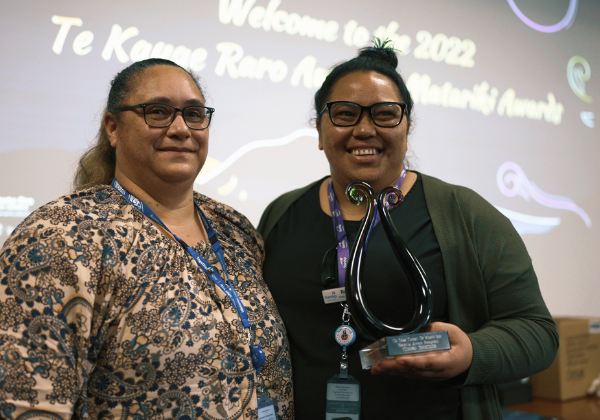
point(347, 114)
point(159, 115)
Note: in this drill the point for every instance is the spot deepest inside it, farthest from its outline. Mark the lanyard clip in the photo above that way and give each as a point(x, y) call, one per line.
point(343, 369)
point(346, 315)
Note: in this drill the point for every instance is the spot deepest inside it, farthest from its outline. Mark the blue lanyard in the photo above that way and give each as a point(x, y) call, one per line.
point(256, 351)
point(343, 248)
point(202, 263)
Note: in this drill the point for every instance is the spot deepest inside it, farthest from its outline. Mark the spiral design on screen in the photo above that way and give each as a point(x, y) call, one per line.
point(512, 181)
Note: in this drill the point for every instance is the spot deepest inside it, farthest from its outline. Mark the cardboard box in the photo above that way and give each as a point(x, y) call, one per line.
point(577, 363)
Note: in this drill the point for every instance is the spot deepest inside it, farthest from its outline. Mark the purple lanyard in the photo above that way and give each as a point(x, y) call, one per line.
point(343, 248)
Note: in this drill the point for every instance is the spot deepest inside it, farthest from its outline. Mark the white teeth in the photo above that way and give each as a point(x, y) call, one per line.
point(364, 152)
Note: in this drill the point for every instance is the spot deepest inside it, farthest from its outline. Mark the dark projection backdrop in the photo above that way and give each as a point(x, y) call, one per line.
point(506, 93)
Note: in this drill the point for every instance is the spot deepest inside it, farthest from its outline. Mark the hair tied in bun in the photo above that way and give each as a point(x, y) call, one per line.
point(380, 58)
point(381, 51)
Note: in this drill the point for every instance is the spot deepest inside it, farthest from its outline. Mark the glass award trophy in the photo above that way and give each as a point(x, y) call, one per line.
point(391, 340)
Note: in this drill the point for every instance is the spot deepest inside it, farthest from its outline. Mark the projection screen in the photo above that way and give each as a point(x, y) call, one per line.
point(505, 91)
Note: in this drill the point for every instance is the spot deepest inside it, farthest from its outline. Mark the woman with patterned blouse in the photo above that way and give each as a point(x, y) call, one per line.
point(106, 312)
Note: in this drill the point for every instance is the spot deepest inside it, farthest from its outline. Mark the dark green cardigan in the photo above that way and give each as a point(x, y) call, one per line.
point(493, 292)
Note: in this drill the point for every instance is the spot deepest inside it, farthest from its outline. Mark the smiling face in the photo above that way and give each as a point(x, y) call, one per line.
point(364, 152)
point(149, 156)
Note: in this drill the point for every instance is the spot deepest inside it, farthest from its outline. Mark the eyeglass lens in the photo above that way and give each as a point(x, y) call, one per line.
point(161, 115)
point(348, 113)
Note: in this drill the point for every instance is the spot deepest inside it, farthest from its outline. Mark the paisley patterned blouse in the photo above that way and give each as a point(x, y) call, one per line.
point(104, 317)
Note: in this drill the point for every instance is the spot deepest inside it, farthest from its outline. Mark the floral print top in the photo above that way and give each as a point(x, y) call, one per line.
point(104, 317)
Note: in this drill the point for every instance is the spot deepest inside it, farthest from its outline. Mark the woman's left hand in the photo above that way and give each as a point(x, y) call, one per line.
point(435, 365)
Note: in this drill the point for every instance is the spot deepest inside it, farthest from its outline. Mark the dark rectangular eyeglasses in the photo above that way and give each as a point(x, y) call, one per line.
point(347, 114)
point(159, 115)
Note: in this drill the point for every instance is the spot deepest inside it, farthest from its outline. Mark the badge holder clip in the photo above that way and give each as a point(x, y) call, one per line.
point(343, 390)
point(266, 407)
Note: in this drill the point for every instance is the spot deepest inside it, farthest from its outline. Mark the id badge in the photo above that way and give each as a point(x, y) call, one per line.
point(266, 408)
point(343, 398)
point(334, 295)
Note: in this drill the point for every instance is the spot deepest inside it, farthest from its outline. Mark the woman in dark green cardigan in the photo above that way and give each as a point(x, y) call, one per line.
point(485, 291)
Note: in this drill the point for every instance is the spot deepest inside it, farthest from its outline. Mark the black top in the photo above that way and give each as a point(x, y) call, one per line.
point(295, 249)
